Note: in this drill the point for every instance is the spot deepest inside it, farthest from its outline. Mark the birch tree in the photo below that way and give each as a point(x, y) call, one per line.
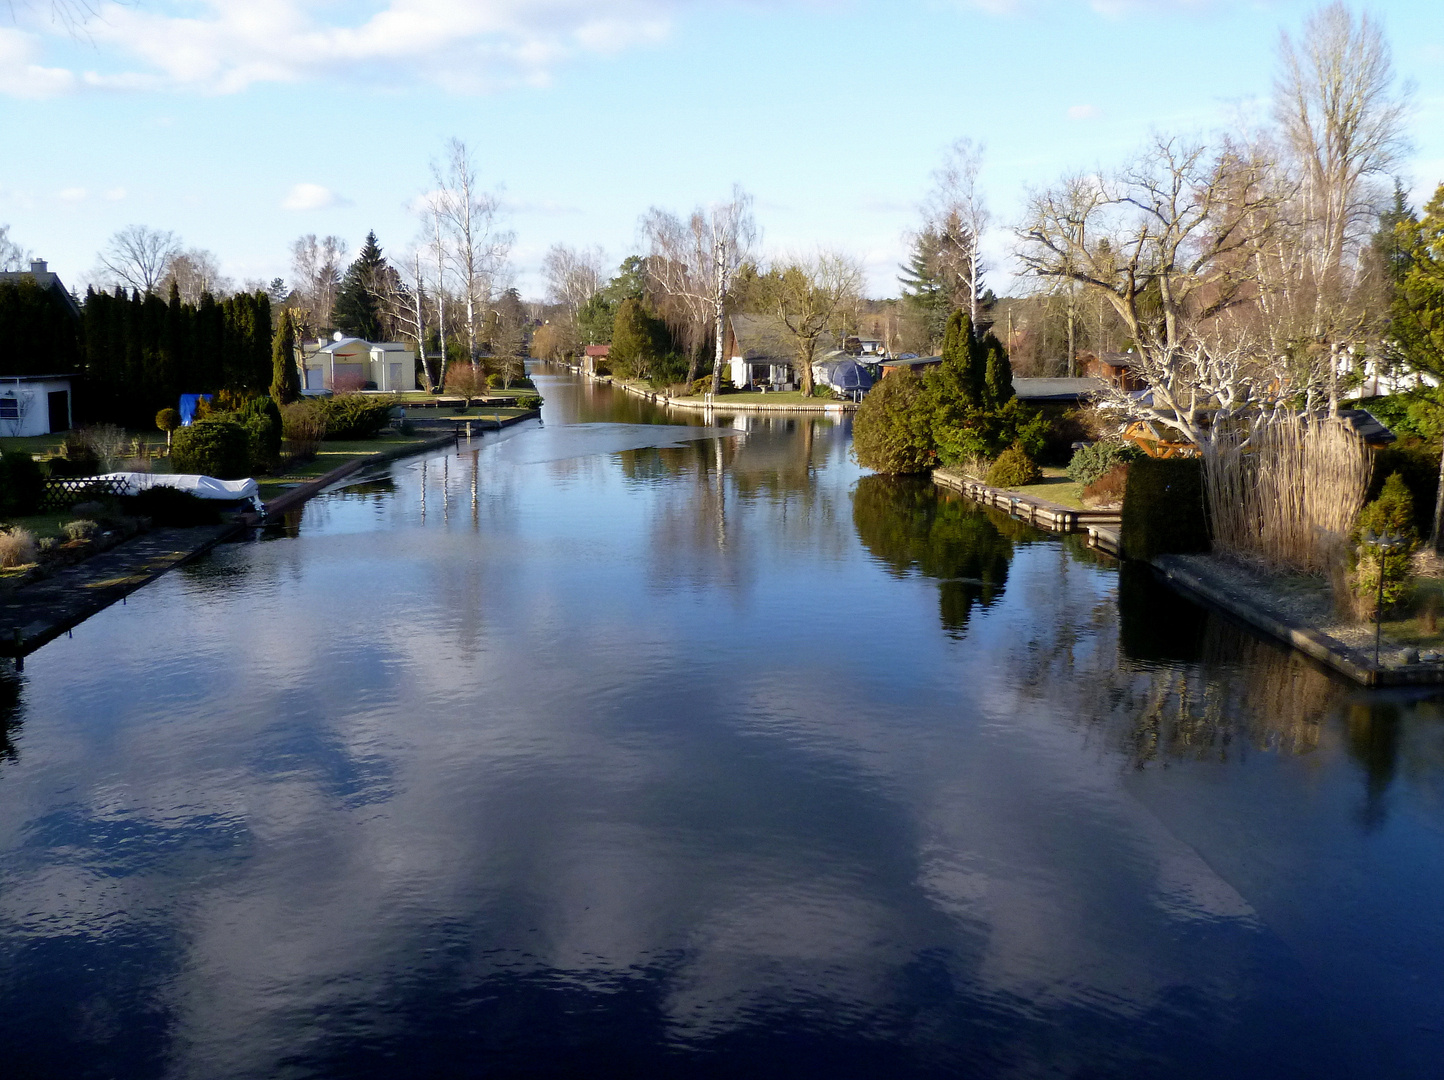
point(475, 246)
point(694, 262)
point(316, 271)
point(958, 214)
point(573, 275)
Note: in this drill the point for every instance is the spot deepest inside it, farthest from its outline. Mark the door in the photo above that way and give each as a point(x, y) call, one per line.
point(59, 410)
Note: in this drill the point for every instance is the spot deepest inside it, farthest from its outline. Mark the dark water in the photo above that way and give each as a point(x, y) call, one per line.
point(629, 746)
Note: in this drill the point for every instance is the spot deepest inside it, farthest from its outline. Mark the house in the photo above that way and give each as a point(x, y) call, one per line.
point(875, 348)
point(916, 364)
point(761, 352)
point(1112, 367)
point(593, 355)
point(34, 404)
point(348, 363)
point(46, 279)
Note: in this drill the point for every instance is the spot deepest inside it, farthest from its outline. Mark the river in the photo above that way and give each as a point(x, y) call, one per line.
point(635, 744)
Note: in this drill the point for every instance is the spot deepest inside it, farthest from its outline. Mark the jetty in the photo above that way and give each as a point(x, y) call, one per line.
point(1101, 525)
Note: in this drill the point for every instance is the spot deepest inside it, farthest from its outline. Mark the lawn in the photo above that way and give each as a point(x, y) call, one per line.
point(781, 397)
point(1055, 487)
point(332, 455)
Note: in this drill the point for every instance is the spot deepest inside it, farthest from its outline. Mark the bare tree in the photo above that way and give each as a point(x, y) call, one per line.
point(137, 257)
point(68, 13)
point(694, 263)
point(195, 273)
point(806, 292)
point(1183, 231)
point(12, 255)
point(475, 247)
point(316, 271)
point(957, 212)
point(401, 298)
point(573, 275)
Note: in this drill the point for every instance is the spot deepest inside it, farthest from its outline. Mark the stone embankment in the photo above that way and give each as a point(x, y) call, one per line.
point(1101, 525)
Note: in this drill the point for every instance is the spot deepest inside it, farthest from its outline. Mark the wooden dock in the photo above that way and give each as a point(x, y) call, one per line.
point(1100, 525)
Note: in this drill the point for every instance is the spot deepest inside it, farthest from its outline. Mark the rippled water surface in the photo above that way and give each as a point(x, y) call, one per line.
point(639, 744)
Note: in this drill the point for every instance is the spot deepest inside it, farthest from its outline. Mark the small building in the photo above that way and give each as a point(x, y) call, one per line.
point(349, 363)
point(1114, 368)
point(916, 364)
point(42, 275)
point(761, 352)
point(34, 404)
point(592, 355)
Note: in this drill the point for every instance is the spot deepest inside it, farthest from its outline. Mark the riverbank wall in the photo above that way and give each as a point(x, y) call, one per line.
point(1100, 525)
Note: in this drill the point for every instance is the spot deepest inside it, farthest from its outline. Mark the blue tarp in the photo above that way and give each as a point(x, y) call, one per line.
point(188, 403)
point(844, 375)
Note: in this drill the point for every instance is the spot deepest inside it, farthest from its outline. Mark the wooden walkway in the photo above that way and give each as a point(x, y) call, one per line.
point(1100, 525)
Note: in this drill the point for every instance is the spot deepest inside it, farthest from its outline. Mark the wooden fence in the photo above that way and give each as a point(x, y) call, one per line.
point(63, 492)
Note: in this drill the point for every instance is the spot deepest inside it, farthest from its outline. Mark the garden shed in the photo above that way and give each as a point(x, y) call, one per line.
point(34, 404)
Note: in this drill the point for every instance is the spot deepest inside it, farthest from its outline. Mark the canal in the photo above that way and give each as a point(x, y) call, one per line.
point(637, 744)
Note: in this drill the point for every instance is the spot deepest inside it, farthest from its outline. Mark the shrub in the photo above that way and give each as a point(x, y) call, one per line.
point(352, 416)
point(303, 426)
point(529, 401)
point(213, 447)
point(1014, 468)
point(1163, 508)
point(94, 510)
point(891, 431)
point(105, 443)
point(1417, 464)
point(493, 381)
point(1092, 462)
point(21, 485)
point(172, 507)
point(1392, 513)
point(17, 547)
point(261, 417)
point(81, 529)
point(1108, 489)
point(167, 420)
point(465, 381)
point(602, 370)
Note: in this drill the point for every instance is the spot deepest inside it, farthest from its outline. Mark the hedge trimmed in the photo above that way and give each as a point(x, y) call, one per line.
point(213, 447)
point(1163, 508)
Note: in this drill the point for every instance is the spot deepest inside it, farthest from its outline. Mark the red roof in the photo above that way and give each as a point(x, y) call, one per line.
point(599, 350)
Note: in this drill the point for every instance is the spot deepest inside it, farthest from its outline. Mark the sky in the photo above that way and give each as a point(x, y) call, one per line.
point(241, 126)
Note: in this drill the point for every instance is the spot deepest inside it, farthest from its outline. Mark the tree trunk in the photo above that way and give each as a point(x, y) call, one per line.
point(1436, 534)
point(717, 355)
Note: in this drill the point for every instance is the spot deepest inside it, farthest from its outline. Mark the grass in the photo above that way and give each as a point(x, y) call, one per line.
point(332, 455)
point(43, 525)
point(1055, 487)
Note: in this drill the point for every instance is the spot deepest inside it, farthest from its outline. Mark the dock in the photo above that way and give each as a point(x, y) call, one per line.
point(1101, 526)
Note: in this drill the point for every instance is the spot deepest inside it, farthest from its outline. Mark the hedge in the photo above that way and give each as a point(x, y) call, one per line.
point(21, 485)
point(1163, 508)
point(213, 447)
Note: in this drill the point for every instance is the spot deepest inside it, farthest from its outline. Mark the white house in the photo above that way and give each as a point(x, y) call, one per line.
point(34, 404)
point(349, 363)
point(761, 352)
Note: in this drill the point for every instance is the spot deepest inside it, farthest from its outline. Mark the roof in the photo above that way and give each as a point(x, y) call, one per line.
point(35, 378)
point(1368, 427)
point(342, 343)
point(766, 338)
point(1056, 389)
point(46, 279)
point(912, 361)
point(599, 350)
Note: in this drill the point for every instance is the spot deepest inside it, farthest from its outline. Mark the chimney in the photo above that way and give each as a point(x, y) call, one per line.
point(37, 266)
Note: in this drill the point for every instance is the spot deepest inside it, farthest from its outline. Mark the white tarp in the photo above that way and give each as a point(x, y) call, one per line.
point(205, 487)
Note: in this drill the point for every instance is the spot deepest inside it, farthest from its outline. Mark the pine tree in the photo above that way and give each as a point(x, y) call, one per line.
point(922, 287)
point(357, 310)
point(997, 374)
point(285, 381)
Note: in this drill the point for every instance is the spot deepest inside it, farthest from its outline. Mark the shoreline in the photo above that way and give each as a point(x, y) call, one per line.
point(660, 397)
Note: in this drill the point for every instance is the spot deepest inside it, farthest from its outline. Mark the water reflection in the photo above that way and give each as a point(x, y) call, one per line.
point(911, 527)
point(11, 683)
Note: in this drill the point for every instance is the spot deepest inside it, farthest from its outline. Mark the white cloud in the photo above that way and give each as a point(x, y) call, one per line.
point(219, 46)
point(1082, 112)
point(72, 195)
point(312, 197)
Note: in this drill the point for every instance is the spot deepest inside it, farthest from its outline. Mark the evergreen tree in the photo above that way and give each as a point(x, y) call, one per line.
point(923, 288)
point(285, 380)
point(997, 374)
point(357, 310)
point(639, 340)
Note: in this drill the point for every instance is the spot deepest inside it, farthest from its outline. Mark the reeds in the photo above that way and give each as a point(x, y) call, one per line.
point(1286, 495)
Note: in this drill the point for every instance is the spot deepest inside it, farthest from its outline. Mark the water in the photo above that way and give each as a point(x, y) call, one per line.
point(648, 745)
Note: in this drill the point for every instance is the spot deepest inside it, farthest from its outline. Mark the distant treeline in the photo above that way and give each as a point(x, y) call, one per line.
point(137, 353)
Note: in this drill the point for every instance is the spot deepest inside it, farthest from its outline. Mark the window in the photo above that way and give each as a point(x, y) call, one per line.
point(9, 407)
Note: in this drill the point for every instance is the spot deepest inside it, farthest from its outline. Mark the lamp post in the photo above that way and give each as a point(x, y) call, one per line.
point(1384, 545)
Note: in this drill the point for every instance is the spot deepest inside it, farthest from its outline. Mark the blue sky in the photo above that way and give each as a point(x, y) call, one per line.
point(241, 126)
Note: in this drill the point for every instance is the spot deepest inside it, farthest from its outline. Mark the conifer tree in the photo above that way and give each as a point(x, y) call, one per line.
point(997, 374)
point(357, 310)
point(285, 380)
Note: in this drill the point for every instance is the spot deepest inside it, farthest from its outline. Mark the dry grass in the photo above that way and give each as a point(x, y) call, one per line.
point(1287, 496)
point(17, 547)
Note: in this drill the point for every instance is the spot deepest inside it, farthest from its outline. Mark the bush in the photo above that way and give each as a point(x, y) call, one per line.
point(81, 529)
point(62, 467)
point(172, 507)
point(1163, 508)
point(352, 416)
point(213, 447)
point(1417, 464)
point(960, 434)
point(1014, 468)
point(892, 431)
point(1092, 462)
point(21, 485)
point(464, 380)
point(493, 381)
point(1108, 489)
point(1392, 513)
point(529, 401)
point(602, 370)
point(303, 426)
point(261, 418)
point(17, 547)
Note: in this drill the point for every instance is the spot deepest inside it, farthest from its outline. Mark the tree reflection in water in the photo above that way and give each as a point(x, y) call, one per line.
point(11, 712)
point(910, 526)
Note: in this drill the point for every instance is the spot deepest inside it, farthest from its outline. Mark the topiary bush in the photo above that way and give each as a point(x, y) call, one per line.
point(213, 447)
point(1014, 468)
point(354, 416)
point(529, 401)
point(21, 485)
point(1392, 513)
point(172, 507)
point(1163, 508)
point(1090, 463)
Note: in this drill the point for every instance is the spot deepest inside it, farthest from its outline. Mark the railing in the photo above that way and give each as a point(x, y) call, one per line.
point(63, 492)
